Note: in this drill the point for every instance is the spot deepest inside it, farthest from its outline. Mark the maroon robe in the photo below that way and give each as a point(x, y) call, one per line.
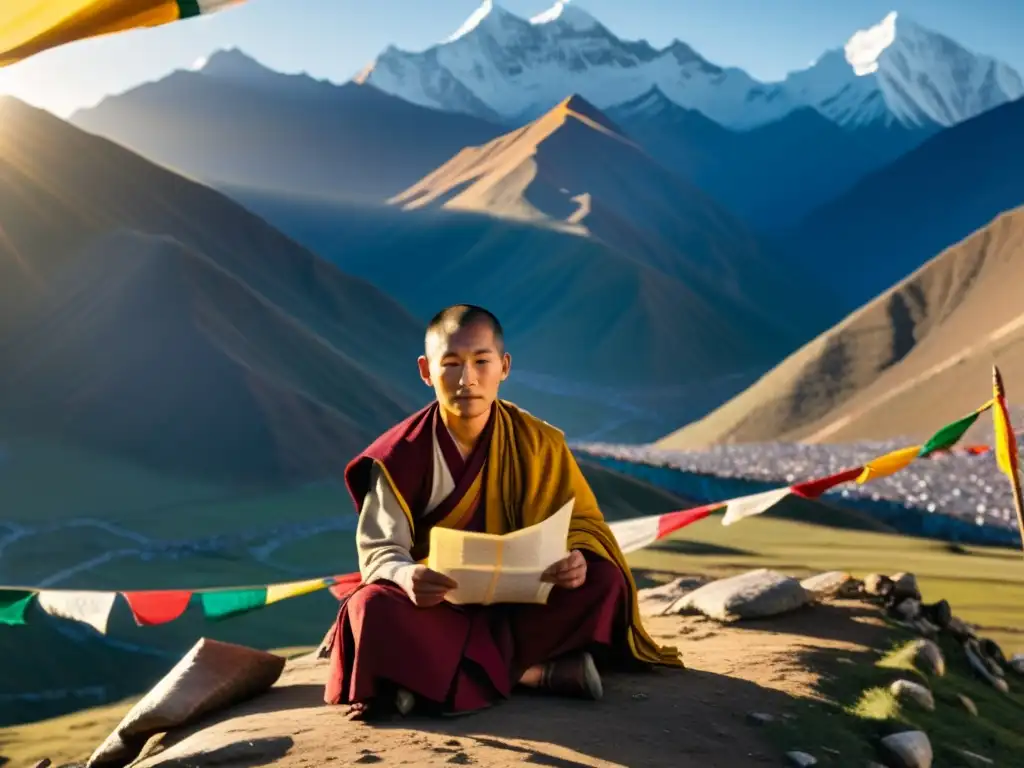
point(456, 658)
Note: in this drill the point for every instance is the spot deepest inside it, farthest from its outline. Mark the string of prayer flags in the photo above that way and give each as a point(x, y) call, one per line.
point(942, 441)
point(29, 27)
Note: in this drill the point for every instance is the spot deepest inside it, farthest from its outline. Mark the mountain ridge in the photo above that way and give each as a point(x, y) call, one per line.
point(498, 63)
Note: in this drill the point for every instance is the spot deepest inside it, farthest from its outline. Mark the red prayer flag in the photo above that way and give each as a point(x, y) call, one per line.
point(153, 607)
point(812, 489)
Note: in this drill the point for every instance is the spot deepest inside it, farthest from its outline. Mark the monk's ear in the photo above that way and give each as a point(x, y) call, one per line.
point(424, 366)
point(506, 365)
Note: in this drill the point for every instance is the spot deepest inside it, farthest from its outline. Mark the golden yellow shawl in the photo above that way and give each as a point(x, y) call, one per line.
point(530, 474)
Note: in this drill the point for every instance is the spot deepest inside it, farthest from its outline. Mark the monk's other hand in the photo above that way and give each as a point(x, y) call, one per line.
point(427, 588)
point(569, 572)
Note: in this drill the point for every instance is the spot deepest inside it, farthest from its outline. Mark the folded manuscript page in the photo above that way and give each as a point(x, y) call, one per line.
point(500, 569)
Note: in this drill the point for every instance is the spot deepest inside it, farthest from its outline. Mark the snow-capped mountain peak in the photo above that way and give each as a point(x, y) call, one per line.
point(502, 67)
point(569, 14)
point(899, 71)
point(497, 63)
point(489, 16)
point(866, 45)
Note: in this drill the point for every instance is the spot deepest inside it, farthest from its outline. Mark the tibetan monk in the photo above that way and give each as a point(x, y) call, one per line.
point(472, 461)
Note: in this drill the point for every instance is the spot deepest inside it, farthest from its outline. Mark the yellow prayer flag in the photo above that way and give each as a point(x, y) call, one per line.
point(276, 592)
point(28, 27)
point(889, 464)
point(1005, 440)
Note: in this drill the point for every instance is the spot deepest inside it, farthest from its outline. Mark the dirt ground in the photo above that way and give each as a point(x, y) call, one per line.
point(693, 717)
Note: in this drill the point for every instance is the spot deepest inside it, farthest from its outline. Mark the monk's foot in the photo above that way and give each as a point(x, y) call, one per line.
point(360, 711)
point(574, 675)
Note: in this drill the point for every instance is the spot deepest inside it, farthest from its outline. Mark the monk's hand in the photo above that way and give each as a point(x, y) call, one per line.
point(427, 588)
point(569, 572)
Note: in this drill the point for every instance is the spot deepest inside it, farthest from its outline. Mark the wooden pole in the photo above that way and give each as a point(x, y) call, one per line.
point(999, 392)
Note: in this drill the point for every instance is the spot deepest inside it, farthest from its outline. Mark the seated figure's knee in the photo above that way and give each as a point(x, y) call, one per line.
point(373, 602)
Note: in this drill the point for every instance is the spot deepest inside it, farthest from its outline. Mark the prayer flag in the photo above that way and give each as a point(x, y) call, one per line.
point(889, 463)
point(812, 489)
point(754, 504)
point(224, 603)
point(639, 532)
point(948, 436)
point(13, 604)
point(28, 27)
point(91, 608)
point(156, 607)
point(276, 592)
point(1005, 439)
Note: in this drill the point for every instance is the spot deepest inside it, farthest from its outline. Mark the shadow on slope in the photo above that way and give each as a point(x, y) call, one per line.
point(142, 311)
point(601, 343)
point(892, 221)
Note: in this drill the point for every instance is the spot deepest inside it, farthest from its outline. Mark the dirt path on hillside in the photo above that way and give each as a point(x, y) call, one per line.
point(695, 717)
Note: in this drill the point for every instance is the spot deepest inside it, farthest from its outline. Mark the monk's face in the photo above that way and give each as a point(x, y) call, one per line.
point(465, 368)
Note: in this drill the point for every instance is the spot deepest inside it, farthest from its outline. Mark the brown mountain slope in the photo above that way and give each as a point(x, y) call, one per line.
point(916, 357)
point(148, 316)
point(572, 169)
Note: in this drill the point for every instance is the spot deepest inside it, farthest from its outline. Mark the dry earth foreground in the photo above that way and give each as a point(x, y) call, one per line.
point(831, 671)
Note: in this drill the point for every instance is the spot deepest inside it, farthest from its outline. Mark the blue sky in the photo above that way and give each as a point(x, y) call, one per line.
point(335, 38)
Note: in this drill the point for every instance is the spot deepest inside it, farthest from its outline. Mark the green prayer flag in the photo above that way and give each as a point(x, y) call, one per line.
point(231, 602)
point(13, 604)
point(948, 436)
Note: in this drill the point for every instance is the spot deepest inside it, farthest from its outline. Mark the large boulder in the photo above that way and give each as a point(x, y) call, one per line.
point(751, 595)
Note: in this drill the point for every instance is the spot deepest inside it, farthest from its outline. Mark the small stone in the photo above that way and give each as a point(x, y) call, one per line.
point(909, 749)
point(980, 668)
point(925, 628)
point(1017, 663)
point(369, 757)
point(830, 751)
point(904, 585)
point(826, 585)
point(968, 704)
point(877, 585)
point(939, 614)
point(460, 758)
point(974, 760)
point(907, 609)
point(639, 696)
point(44, 763)
point(801, 759)
point(991, 650)
point(759, 718)
point(959, 629)
point(906, 691)
point(927, 657)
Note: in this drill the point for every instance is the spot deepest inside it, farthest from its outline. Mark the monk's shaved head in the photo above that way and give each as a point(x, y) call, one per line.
point(459, 316)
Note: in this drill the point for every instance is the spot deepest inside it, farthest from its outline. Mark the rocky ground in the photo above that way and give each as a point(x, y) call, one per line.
point(829, 671)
